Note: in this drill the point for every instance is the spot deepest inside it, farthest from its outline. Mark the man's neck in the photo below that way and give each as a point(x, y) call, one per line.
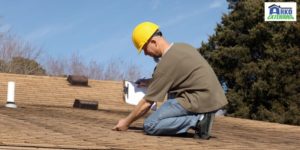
point(167, 47)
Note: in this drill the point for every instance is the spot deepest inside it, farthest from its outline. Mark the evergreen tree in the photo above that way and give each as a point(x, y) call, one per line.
point(259, 62)
point(20, 65)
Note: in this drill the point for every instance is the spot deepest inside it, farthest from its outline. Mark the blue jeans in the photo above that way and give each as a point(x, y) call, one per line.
point(170, 119)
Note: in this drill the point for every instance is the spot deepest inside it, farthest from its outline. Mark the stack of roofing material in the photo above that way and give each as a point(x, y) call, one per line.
point(85, 104)
point(77, 80)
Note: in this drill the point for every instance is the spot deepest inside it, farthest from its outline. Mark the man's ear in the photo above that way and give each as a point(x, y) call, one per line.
point(154, 41)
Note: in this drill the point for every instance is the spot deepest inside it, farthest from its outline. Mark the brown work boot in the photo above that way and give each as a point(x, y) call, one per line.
point(203, 127)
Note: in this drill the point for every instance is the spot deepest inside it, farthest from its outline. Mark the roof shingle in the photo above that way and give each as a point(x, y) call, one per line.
point(45, 119)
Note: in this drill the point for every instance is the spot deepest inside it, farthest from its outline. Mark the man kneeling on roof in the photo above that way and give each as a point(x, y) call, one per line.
point(195, 93)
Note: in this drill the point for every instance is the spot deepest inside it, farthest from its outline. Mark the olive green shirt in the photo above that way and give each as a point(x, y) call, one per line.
point(183, 71)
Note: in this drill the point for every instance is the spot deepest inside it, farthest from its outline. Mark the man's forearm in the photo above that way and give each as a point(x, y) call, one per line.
point(141, 109)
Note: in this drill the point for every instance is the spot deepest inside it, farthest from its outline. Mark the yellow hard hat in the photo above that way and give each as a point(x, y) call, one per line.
point(142, 33)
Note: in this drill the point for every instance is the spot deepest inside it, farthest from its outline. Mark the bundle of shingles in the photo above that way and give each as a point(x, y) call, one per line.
point(78, 80)
point(85, 104)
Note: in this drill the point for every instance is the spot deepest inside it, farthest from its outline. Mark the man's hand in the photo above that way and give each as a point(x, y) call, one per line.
point(121, 126)
point(140, 110)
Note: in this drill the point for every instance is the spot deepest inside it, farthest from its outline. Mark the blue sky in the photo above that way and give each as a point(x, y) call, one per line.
point(101, 29)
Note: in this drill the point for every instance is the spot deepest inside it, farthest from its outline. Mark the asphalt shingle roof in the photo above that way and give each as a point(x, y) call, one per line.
point(48, 121)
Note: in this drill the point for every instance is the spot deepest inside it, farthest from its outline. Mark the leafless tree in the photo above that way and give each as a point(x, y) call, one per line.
point(132, 73)
point(95, 71)
point(76, 65)
point(11, 46)
point(17, 56)
point(113, 71)
point(55, 66)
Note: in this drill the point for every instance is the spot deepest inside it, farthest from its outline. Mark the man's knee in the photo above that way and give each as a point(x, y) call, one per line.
point(149, 128)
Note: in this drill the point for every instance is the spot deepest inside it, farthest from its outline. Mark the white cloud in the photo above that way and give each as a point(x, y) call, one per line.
point(46, 31)
point(183, 16)
point(113, 43)
point(39, 33)
point(178, 18)
point(216, 4)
